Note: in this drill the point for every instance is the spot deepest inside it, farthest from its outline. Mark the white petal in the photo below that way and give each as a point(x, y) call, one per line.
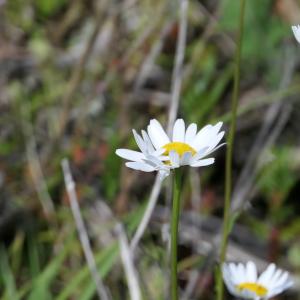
point(190, 133)
point(295, 27)
point(213, 150)
point(205, 136)
point(230, 284)
point(203, 162)
point(157, 135)
point(278, 289)
point(139, 141)
point(178, 131)
point(288, 284)
point(158, 152)
point(140, 166)
point(274, 279)
point(277, 274)
point(163, 174)
point(163, 157)
point(200, 154)
point(147, 141)
point(151, 162)
point(265, 277)
point(201, 137)
point(130, 154)
point(217, 127)
point(228, 276)
point(283, 278)
point(231, 267)
point(186, 158)
point(216, 141)
point(251, 272)
point(296, 31)
point(154, 138)
point(174, 159)
point(241, 271)
point(155, 162)
point(235, 276)
point(160, 130)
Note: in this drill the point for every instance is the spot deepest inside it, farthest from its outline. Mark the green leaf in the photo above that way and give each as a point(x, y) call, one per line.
point(48, 8)
point(232, 219)
point(7, 276)
point(104, 260)
point(41, 285)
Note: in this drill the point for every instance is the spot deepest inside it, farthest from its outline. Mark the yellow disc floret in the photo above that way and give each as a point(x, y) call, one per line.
point(256, 288)
point(179, 147)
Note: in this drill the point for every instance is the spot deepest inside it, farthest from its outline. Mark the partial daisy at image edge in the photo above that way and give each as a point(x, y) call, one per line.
point(242, 280)
point(296, 31)
point(186, 146)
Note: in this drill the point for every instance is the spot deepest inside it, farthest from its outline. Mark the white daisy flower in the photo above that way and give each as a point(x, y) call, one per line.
point(242, 281)
point(296, 31)
point(162, 153)
point(148, 160)
point(186, 146)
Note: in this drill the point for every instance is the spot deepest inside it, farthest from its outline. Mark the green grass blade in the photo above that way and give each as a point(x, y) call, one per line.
point(41, 285)
point(10, 290)
point(104, 260)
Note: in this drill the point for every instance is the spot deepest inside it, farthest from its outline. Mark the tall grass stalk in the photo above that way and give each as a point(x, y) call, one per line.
point(174, 230)
point(229, 152)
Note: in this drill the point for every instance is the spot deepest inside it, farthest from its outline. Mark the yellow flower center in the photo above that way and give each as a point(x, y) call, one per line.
point(179, 147)
point(256, 288)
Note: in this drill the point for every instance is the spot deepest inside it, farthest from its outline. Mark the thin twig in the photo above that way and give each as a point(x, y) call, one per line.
point(125, 251)
point(70, 187)
point(130, 272)
point(192, 283)
point(38, 177)
point(36, 170)
point(147, 215)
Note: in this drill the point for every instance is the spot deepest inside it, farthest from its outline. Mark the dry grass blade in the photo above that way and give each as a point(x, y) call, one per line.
point(130, 272)
point(35, 167)
point(147, 215)
point(70, 186)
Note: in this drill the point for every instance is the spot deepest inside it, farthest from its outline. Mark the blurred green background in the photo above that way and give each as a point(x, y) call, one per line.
point(77, 76)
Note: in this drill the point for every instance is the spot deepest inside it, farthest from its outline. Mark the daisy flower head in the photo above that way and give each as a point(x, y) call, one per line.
point(148, 159)
point(242, 281)
point(296, 31)
point(161, 153)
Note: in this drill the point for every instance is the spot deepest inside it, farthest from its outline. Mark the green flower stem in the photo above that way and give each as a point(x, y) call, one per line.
point(229, 152)
point(174, 231)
